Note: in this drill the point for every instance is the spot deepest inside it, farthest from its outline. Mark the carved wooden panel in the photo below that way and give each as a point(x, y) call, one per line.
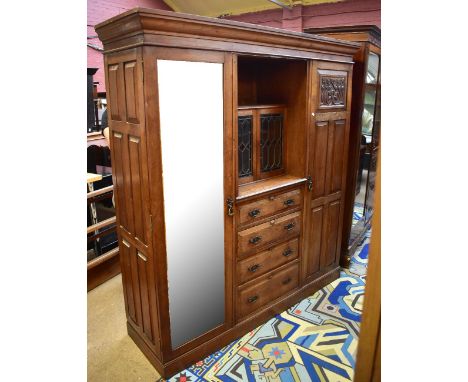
point(320, 159)
point(332, 89)
point(125, 253)
point(131, 192)
point(135, 284)
point(131, 99)
point(118, 164)
point(315, 240)
point(338, 155)
point(123, 79)
point(127, 143)
point(333, 222)
point(142, 270)
point(135, 278)
point(137, 189)
point(113, 80)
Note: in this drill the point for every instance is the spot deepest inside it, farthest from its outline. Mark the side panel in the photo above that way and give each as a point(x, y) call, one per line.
point(124, 83)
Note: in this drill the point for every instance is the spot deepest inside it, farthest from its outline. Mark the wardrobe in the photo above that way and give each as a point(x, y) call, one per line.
point(229, 149)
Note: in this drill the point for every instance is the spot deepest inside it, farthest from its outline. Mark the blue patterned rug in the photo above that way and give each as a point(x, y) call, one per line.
point(358, 213)
point(315, 340)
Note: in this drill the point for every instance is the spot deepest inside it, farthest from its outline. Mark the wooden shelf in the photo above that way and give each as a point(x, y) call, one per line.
point(259, 106)
point(251, 189)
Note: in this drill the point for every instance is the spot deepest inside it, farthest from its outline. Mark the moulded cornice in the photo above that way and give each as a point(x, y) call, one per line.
point(140, 22)
point(369, 33)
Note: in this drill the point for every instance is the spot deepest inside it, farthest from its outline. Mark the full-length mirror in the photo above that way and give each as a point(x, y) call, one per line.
point(191, 122)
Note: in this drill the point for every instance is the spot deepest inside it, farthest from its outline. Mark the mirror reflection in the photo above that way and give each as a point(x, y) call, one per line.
point(191, 123)
point(370, 128)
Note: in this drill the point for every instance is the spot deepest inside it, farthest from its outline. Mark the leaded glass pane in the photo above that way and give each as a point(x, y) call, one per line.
point(244, 148)
point(271, 142)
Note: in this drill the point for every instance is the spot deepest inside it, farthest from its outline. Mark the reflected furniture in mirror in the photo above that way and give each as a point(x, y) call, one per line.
point(229, 148)
point(364, 134)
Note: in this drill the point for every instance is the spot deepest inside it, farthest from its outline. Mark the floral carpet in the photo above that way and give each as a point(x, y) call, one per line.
point(315, 340)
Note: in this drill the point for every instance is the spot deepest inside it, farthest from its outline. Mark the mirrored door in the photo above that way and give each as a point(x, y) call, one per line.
point(191, 124)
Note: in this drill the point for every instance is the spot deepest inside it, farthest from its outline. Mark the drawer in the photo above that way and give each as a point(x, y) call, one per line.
point(267, 260)
point(267, 289)
point(268, 206)
point(281, 228)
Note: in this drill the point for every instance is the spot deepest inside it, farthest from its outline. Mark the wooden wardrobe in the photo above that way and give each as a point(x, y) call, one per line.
point(229, 144)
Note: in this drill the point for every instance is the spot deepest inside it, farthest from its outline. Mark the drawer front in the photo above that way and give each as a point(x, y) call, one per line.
point(267, 260)
point(267, 290)
point(285, 227)
point(274, 204)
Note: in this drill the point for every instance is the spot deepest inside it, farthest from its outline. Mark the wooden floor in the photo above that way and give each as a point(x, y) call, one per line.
point(112, 355)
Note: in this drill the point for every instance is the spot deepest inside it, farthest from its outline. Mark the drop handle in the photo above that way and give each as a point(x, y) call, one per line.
point(289, 227)
point(254, 213)
point(230, 206)
point(288, 252)
point(254, 268)
point(252, 299)
point(255, 240)
point(287, 281)
point(289, 202)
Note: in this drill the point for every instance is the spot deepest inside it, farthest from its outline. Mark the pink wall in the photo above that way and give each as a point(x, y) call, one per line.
point(350, 12)
point(100, 10)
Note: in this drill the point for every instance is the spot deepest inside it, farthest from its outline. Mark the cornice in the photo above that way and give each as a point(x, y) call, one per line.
point(140, 22)
point(364, 33)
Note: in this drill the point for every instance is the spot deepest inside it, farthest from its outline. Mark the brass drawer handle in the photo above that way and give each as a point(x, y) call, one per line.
point(288, 252)
point(289, 227)
point(289, 202)
point(287, 281)
point(255, 240)
point(254, 268)
point(252, 299)
point(254, 213)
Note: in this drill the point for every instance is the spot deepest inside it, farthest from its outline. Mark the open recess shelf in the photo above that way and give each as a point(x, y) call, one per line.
point(266, 185)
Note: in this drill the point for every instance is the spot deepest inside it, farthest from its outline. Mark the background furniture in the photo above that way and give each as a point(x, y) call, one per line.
point(364, 132)
point(102, 248)
point(229, 150)
point(103, 260)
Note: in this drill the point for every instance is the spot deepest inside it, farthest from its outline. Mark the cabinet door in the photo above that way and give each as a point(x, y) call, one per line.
point(328, 142)
point(195, 186)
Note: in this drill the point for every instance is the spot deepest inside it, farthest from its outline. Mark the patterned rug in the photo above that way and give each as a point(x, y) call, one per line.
point(358, 212)
point(315, 340)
